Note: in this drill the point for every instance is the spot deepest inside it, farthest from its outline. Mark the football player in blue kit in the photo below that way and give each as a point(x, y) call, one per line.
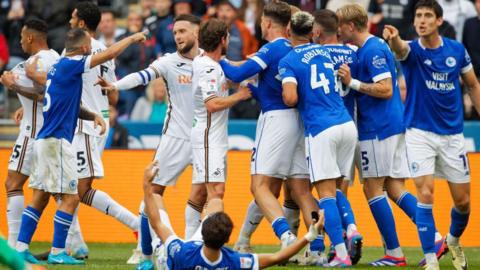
point(432, 65)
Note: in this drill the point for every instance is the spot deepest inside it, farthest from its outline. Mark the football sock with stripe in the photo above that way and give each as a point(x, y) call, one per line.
point(458, 225)
point(333, 225)
point(292, 214)
point(252, 220)
point(193, 219)
point(345, 210)
point(61, 224)
point(30, 218)
point(15, 205)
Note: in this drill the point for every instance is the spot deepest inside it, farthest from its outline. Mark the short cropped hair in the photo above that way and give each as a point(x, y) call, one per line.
point(189, 18)
point(38, 26)
point(74, 38)
point(328, 20)
point(355, 14)
point(211, 34)
point(90, 14)
point(432, 4)
point(216, 230)
point(302, 23)
point(280, 12)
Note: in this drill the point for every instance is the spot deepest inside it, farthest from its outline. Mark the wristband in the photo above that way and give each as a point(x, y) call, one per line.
point(355, 84)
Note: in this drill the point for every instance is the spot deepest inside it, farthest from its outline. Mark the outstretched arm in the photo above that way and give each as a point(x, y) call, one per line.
point(242, 72)
point(398, 46)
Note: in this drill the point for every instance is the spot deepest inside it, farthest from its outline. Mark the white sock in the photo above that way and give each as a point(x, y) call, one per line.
point(21, 246)
point(139, 238)
point(250, 224)
point(341, 251)
point(452, 240)
point(431, 258)
point(397, 252)
point(104, 203)
point(192, 221)
point(56, 251)
point(293, 218)
point(75, 238)
point(351, 229)
point(165, 219)
point(197, 236)
point(15, 205)
point(438, 236)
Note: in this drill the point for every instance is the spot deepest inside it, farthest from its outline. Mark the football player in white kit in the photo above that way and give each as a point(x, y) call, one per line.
point(211, 102)
point(34, 43)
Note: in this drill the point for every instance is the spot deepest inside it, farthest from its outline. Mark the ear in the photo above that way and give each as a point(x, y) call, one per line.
point(81, 24)
point(439, 21)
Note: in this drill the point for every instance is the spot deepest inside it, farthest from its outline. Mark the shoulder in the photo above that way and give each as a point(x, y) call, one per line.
point(97, 45)
point(452, 44)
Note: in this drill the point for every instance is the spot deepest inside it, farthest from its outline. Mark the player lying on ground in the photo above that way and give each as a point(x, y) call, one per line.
point(215, 230)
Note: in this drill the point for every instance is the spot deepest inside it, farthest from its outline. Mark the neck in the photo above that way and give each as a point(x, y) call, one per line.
point(93, 34)
point(329, 40)
point(211, 254)
point(360, 38)
point(215, 55)
point(192, 53)
point(276, 33)
point(296, 41)
point(39, 47)
point(432, 41)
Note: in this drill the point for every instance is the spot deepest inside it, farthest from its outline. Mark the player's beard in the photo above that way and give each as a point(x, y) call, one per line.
point(188, 46)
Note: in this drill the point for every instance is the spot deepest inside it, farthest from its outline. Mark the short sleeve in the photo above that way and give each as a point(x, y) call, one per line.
point(466, 63)
point(173, 246)
point(377, 65)
point(286, 72)
point(248, 261)
point(159, 67)
point(262, 57)
point(79, 65)
point(87, 60)
point(208, 81)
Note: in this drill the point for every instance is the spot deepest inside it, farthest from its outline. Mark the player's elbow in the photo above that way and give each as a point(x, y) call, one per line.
point(212, 106)
point(289, 99)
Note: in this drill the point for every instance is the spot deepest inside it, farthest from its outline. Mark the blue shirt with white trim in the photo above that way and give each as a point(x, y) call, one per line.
point(189, 256)
point(434, 96)
point(344, 54)
point(378, 118)
point(319, 103)
point(63, 93)
point(265, 64)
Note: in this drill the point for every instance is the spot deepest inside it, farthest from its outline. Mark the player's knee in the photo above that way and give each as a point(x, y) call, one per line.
point(425, 195)
point(371, 189)
point(463, 203)
point(13, 183)
point(157, 189)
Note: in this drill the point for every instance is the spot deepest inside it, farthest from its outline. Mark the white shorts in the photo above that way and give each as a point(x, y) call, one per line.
point(440, 155)
point(330, 153)
point(209, 164)
point(173, 156)
point(385, 158)
point(279, 145)
point(89, 155)
point(22, 155)
point(54, 167)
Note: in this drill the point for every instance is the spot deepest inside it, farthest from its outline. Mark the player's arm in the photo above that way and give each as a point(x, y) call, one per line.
point(382, 88)
point(473, 86)
point(398, 46)
point(266, 260)
point(151, 207)
point(8, 80)
point(116, 49)
point(289, 84)
point(31, 71)
point(132, 80)
point(85, 114)
point(242, 72)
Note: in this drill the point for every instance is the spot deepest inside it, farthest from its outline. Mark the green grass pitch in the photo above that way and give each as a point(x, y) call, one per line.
point(114, 256)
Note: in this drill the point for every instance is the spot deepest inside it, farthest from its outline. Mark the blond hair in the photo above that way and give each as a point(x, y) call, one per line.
point(353, 13)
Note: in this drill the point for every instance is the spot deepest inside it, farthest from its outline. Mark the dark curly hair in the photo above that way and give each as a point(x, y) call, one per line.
point(90, 14)
point(211, 34)
point(216, 230)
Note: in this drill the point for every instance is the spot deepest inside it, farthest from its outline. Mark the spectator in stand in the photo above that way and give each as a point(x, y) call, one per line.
point(12, 26)
point(242, 43)
point(398, 13)
point(471, 36)
point(336, 4)
point(251, 12)
point(456, 12)
point(107, 29)
point(152, 107)
point(4, 54)
point(136, 57)
point(117, 135)
point(165, 43)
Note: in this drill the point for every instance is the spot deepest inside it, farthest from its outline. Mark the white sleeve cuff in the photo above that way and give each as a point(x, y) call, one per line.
point(382, 76)
point(466, 68)
point(256, 263)
point(259, 61)
point(289, 79)
point(170, 239)
point(87, 63)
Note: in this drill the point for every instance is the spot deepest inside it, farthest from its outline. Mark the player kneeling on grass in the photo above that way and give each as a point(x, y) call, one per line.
point(54, 167)
point(216, 228)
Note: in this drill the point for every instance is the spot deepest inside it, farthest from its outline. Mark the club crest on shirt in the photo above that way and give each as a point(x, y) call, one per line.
point(450, 62)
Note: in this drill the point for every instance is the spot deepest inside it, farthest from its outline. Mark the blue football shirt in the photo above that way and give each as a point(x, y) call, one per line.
point(320, 105)
point(376, 117)
point(63, 93)
point(434, 95)
point(189, 256)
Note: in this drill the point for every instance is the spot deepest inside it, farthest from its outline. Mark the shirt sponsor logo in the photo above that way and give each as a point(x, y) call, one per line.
point(245, 263)
point(378, 61)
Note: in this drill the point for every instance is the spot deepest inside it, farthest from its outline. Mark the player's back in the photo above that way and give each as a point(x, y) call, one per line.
point(319, 103)
point(434, 97)
point(377, 117)
point(344, 54)
point(62, 97)
point(32, 120)
point(189, 255)
point(176, 71)
point(269, 82)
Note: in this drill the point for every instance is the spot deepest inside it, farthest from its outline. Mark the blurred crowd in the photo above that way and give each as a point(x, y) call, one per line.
point(121, 18)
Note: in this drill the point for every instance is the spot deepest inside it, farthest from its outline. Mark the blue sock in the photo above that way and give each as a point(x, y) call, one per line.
point(333, 222)
point(30, 219)
point(61, 224)
point(459, 222)
point(426, 227)
point(408, 203)
point(146, 240)
point(382, 213)
point(280, 226)
point(345, 210)
point(318, 244)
